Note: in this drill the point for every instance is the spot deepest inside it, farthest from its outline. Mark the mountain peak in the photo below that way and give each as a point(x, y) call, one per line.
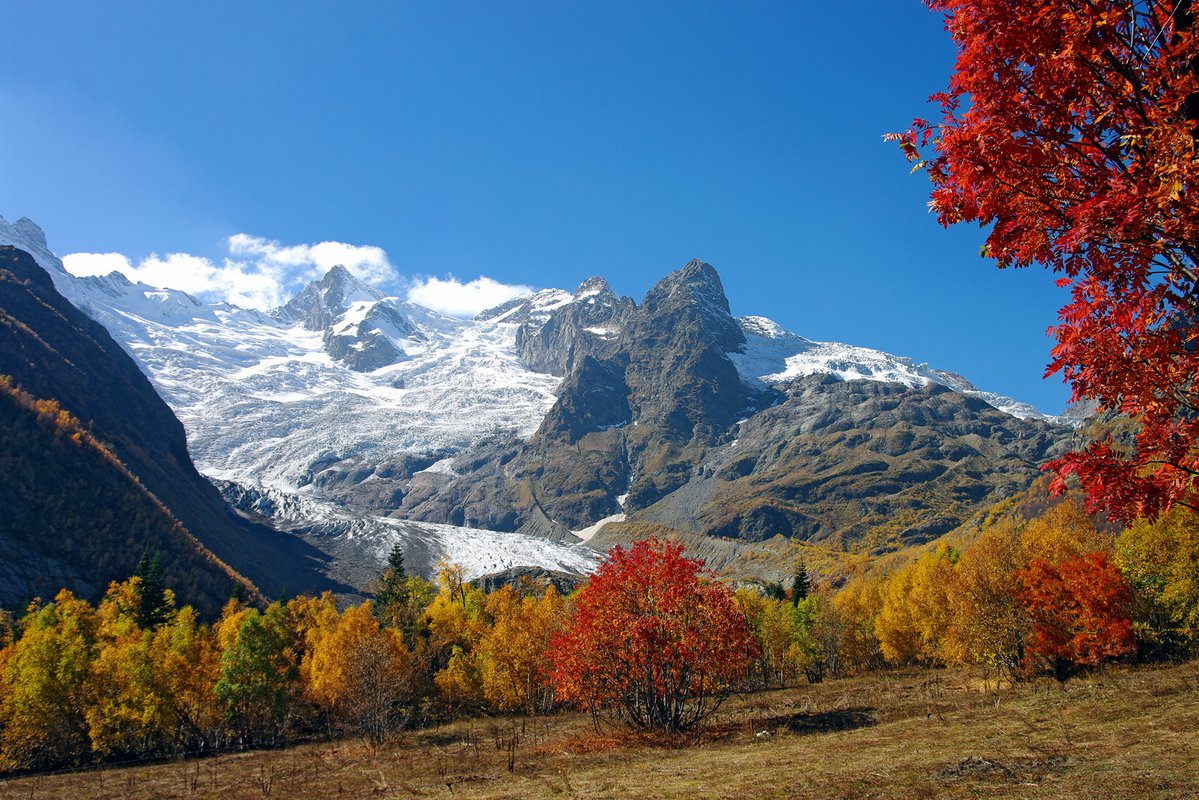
point(31, 231)
point(336, 274)
point(592, 286)
point(320, 301)
point(27, 235)
point(697, 283)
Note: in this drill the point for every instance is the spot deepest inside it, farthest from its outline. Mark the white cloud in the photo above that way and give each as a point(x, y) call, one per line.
point(458, 299)
point(256, 273)
point(83, 264)
point(366, 262)
point(263, 273)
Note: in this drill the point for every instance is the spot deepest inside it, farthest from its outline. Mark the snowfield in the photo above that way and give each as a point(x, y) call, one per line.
point(774, 355)
point(368, 539)
point(262, 401)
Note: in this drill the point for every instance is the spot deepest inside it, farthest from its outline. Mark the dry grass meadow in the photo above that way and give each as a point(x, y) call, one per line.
point(1121, 733)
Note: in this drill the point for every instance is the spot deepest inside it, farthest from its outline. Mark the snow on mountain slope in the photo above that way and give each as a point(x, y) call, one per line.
point(262, 399)
point(535, 308)
point(364, 541)
point(774, 355)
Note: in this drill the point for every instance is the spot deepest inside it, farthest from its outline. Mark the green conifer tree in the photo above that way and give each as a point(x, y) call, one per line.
point(799, 583)
point(391, 598)
point(153, 608)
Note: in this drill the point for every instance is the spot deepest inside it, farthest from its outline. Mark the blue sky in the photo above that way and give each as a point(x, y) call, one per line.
point(533, 143)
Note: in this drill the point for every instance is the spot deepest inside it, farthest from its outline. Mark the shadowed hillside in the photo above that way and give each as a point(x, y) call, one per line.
point(52, 351)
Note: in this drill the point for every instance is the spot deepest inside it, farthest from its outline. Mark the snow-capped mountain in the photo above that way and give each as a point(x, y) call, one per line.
point(266, 397)
point(342, 369)
point(344, 395)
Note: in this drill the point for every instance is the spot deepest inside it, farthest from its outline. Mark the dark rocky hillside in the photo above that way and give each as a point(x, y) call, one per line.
point(53, 351)
point(859, 464)
point(76, 517)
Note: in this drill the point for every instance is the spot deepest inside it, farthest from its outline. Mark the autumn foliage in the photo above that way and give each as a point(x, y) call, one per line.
point(1079, 610)
point(655, 639)
point(1069, 129)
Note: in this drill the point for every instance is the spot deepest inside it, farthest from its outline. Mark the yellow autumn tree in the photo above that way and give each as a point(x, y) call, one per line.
point(361, 673)
point(987, 622)
point(187, 666)
point(127, 710)
point(776, 634)
point(1160, 560)
point(512, 653)
point(1063, 532)
point(914, 613)
point(857, 606)
point(43, 681)
point(455, 621)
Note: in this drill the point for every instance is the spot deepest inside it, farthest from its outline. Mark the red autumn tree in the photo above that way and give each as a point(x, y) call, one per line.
point(1080, 612)
point(1069, 128)
point(655, 639)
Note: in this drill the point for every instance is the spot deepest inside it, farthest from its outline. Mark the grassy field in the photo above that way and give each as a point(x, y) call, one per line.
point(915, 734)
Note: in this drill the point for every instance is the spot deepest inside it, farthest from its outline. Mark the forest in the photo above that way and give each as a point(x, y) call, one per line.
point(136, 677)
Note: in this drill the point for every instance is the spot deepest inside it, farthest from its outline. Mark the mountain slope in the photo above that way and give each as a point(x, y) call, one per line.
point(674, 414)
point(859, 465)
point(53, 351)
point(75, 517)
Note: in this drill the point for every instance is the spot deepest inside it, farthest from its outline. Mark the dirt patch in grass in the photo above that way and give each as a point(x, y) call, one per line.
point(841, 719)
point(1022, 770)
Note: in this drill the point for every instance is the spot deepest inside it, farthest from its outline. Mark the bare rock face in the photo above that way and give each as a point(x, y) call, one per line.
point(591, 324)
point(646, 389)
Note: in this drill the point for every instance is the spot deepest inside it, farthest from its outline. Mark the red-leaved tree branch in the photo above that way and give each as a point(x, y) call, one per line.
point(1069, 127)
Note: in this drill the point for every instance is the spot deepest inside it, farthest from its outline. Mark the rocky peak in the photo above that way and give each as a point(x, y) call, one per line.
point(533, 309)
point(594, 286)
point(375, 340)
point(697, 283)
point(27, 235)
point(320, 302)
point(689, 306)
point(31, 232)
point(589, 323)
point(340, 288)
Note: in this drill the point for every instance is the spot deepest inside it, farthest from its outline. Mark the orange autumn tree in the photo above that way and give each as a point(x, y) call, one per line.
point(656, 640)
point(1069, 129)
point(1080, 612)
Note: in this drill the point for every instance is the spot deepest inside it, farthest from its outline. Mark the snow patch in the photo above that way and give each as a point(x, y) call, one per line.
point(442, 467)
point(590, 531)
point(477, 551)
